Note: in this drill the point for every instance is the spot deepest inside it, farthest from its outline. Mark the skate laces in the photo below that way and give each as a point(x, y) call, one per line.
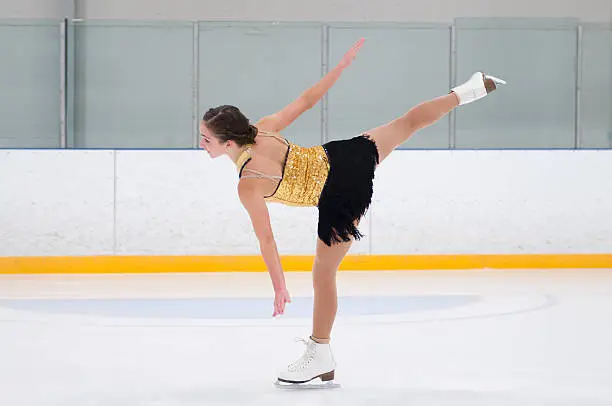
point(306, 358)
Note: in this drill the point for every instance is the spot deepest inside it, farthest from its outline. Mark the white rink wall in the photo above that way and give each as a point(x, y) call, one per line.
point(103, 202)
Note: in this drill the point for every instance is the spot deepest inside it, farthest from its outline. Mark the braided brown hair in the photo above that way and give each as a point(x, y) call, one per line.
point(228, 123)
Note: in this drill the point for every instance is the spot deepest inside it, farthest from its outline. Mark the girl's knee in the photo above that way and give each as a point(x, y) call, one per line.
point(324, 277)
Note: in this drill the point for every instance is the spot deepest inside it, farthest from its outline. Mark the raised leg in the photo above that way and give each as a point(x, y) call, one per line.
point(391, 135)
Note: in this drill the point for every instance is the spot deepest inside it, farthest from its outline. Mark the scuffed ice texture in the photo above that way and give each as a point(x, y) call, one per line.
point(464, 338)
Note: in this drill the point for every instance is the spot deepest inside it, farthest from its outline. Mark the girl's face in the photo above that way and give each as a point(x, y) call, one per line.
point(211, 143)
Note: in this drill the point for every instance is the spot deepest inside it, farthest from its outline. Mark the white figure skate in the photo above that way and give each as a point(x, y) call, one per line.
point(476, 88)
point(315, 369)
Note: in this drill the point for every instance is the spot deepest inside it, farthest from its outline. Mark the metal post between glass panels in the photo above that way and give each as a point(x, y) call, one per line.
point(196, 84)
point(578, 89)
point(452, 128)
point(63, 70)
point(324, 71)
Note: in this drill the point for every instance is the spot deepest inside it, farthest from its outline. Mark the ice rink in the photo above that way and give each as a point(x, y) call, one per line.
point(410, 338)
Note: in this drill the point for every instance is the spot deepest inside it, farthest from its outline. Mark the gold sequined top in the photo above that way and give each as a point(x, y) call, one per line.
point(304, 174)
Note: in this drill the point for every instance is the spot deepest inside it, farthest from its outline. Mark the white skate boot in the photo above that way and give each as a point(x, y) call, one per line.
point(316, 362)
point(476, 88)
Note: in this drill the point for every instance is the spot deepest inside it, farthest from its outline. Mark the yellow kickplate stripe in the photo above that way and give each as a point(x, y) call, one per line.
point(254, 263)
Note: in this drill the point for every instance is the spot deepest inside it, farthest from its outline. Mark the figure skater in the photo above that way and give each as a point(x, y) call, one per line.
point(335, 177)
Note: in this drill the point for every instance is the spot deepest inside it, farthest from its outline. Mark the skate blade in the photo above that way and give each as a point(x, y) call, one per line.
point(314, 384)
point(496, 80)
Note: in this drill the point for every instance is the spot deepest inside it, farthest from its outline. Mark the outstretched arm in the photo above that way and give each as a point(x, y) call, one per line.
point(308, 99)
point(255, 205)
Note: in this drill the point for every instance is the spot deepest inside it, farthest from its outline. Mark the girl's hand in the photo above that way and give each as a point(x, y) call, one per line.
point(281, 297)
point(351, 54)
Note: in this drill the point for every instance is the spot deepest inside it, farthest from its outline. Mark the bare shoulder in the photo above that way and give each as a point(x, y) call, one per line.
point(269, 131)
point(250, 190)
point(268, 124)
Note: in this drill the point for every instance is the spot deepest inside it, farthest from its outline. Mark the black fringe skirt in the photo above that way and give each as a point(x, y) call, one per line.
point(347, 193)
